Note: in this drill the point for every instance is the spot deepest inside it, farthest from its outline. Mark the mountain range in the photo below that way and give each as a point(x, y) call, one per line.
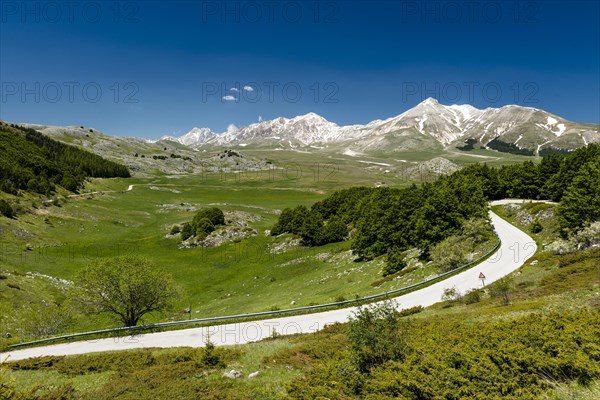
point(428, 125)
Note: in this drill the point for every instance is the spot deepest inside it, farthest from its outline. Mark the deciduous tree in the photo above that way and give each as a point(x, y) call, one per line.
point(128, 287)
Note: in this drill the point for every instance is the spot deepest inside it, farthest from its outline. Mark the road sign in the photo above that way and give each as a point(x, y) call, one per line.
point(482, 277)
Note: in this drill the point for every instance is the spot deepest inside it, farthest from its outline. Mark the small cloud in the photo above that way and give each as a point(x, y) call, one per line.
point(234, 89)
point(232, 128)
point(248, 88)
point(260, 118)
point(229, 98)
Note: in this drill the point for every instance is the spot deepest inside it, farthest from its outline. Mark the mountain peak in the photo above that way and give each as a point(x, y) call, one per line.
point(429, 123)
point(430, 101)
point(311, 115)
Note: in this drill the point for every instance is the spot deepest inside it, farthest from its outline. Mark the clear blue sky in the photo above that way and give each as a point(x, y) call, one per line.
point(149, 68)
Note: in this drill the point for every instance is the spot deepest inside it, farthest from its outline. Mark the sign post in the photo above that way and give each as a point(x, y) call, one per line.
point(482, 277)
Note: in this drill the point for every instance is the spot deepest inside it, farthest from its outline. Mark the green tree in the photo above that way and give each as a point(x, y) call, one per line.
point(581, 201)
point(187, 231)
point(204, 226)
point(301, 213)
point(377, 334)
point(335, 230)
point(395, 262)
point(128, 287)
point(213, 214)
point(520, 180)
point(311, 228)
point(283, 223)
point(558, 183)
point(6, 209)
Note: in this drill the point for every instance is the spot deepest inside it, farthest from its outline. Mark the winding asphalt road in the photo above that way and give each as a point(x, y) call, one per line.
point(515, 249)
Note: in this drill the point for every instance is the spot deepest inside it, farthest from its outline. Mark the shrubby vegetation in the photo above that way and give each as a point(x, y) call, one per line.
point(6, 210)
point(204, 222)
point(33, 162)
point(458, 249)
point(449, 358)
point(376, 335)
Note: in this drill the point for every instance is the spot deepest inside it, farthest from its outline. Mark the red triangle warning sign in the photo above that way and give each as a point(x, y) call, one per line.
point(481, 275)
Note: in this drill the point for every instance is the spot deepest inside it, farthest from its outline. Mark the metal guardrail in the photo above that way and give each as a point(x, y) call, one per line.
point(264, 313)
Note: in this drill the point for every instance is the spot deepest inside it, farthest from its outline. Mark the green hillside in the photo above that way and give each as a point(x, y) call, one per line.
point(33, 162)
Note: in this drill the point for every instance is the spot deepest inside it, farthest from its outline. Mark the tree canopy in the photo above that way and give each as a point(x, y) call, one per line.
point(128, 287)
point(33, 162)
point(204, 222)
point(384, 220)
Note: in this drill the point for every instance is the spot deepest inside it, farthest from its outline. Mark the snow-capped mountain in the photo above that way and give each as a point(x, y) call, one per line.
point(196, 136)
point(428, 125)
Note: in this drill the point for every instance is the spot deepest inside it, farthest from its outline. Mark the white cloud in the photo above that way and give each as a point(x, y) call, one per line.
point(260, 118)
point(229, 98)
point(232, 128)
point(234, 89)
point(248, 88)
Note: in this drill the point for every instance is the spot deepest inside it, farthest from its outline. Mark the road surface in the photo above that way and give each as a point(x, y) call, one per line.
point(515, 249)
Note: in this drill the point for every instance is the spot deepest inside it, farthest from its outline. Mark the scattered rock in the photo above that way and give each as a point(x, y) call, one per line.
point(253, 374)
point(293, 302)
point(534, 262)
point(233, 374)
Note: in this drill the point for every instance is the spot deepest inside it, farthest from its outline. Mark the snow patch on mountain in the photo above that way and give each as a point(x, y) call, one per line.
point(427, 125)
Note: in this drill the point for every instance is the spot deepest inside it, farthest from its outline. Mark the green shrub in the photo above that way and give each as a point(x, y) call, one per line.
point(377, 334)
point(6, 210)
point(536, 226)
point(502, 289)
point(452, 295)
point(473, 296)
point(209, 357)
point(410, 311)
point(187, 231)
point(395, 262)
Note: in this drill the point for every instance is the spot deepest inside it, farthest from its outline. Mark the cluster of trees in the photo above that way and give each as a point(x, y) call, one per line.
point(388, 220)
point(204, 222)
point(572, 180)
point(504, 147)
point(326, 221)
point(548, 179)
point(392, 220)
point(36, 163)
point(310, 226)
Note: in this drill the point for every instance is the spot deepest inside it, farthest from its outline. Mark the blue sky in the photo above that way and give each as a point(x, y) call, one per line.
point(149, 68)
